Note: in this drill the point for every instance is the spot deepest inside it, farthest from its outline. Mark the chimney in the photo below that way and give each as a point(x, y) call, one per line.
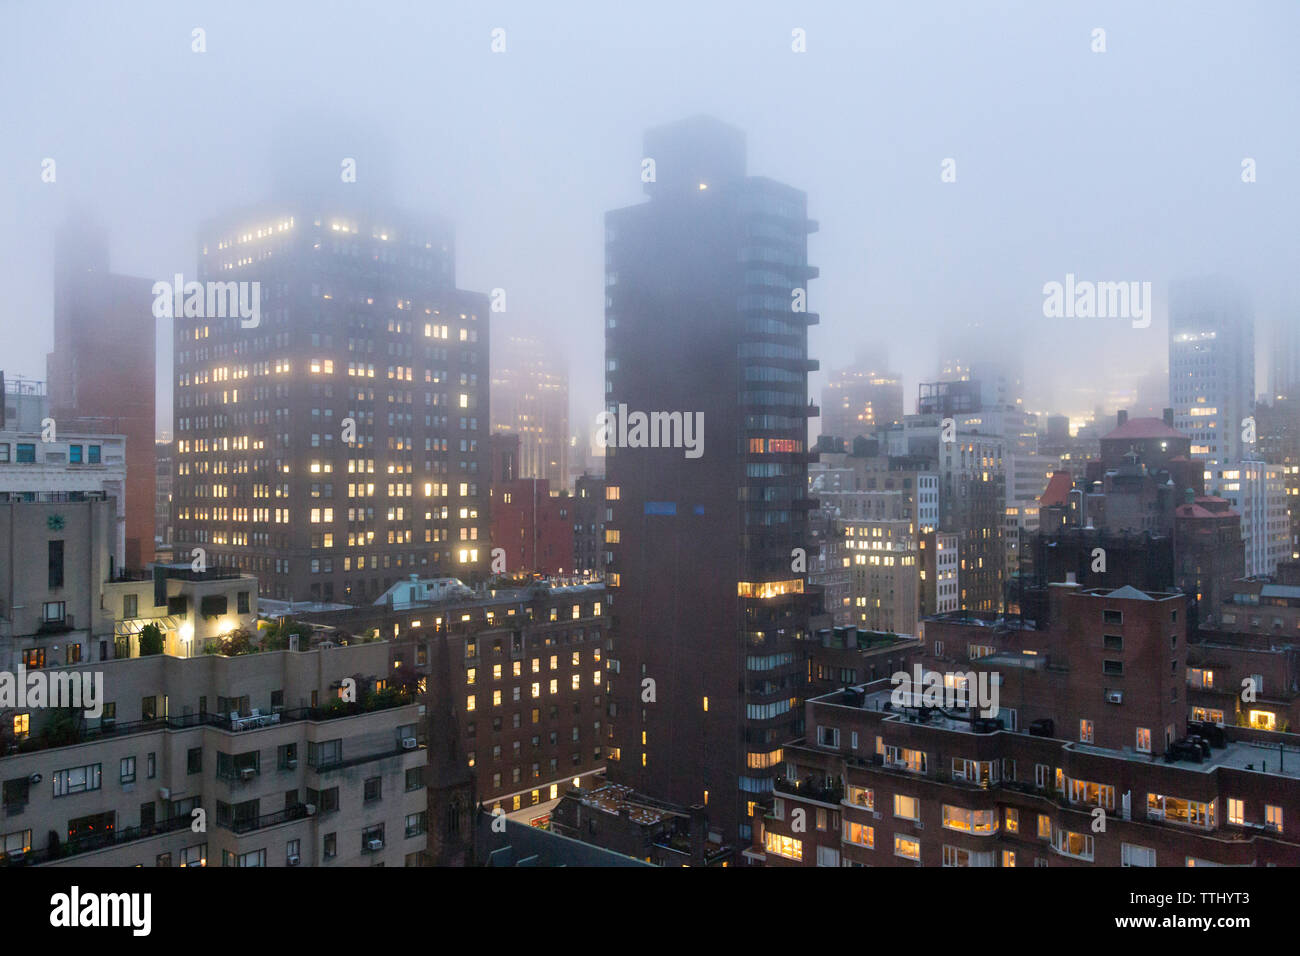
point(1121, 417)
point(1168, 416)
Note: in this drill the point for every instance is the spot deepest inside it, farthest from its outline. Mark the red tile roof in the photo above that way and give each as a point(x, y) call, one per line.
point(1058, 489)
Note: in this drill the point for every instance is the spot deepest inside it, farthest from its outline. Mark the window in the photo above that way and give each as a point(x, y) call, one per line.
point(1236, 811)
point(909, 808)
point(1012, 820)
point(330, 846)
point(324, 753)
point(860, 797)
point(1044, 827)
point(903, 759)
point(1176, 810)
point(196, 855)
point(414, 779)
point(130, 605)
point(1133, 855)
point(127, 774)
point(1273, 817)
point(1093, 794)
point(56, 564)
point(77, 780)
point(16, 844)
point(54, 612)
point(828, 737)
point(74, 455)
point(1008, 857)
point(374, 788)
point(956, 856)
point(292, 852)
point(26, 452)
point(1143, 744)
point(1069, 843)
point(92, 452)
point(416, 823)
point(194, 760)
point(970, 821)
point(860, 834)
point(372, 838)
point(783, 846)
point(906, 847)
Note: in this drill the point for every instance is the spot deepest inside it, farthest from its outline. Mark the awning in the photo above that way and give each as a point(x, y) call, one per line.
point(135, 625)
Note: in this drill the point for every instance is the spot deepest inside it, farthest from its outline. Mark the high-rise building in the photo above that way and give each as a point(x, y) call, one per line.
point(860, 397)
point(1211, 367)
point(1284, 359)
point(530, 398)
point(706, 331)
point(1257, 491)
point(1278, 437)
point(101, 372)
point(337, 441)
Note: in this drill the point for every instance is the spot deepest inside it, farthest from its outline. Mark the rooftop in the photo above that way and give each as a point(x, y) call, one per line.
point(1143, 428)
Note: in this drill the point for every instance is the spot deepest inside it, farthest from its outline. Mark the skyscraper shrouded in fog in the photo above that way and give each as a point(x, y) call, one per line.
point(530, 398)
point(1211, 366)
point(101, 371)
point(705, 285)
point(339, 443)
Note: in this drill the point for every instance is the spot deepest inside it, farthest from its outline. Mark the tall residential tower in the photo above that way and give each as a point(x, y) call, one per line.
point(705, 286)
point(339, 443)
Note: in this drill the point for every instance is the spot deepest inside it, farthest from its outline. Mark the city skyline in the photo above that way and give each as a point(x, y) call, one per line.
point(741, 437)
point(895, 275)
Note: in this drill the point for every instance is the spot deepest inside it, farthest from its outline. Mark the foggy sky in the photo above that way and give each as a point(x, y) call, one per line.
point(1123, 165)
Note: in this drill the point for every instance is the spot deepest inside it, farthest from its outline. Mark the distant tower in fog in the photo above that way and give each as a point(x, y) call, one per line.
point(1211, 366)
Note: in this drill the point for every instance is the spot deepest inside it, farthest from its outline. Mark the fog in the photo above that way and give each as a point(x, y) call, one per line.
point(1122, 165)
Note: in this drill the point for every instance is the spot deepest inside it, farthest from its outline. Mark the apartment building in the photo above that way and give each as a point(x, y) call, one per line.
point(101, 371)
point(55, 464)
point(339, 442)
point(1089, 761)
point(526, 676)
point(706, 319)
point(284, 772)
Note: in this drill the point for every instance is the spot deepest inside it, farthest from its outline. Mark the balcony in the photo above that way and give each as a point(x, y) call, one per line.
point(809, 790)
point(76, 847)
point(333, 711)
point(250, 824)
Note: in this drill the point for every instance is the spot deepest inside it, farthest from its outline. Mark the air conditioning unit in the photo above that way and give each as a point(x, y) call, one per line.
point(310, 808)
point(1115, 697)
point(248, 773)
point(409, 743)
point(375, 845)
point(919, 825)
point(875, 814)
point(291, 762)
point(292, 861)
point(34, 778)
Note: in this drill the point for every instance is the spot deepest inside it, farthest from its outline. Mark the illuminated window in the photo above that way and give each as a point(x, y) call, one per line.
point(784, 846)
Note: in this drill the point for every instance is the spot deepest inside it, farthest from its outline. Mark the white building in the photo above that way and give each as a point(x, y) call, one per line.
point(68, 467)
point(1257, 491)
